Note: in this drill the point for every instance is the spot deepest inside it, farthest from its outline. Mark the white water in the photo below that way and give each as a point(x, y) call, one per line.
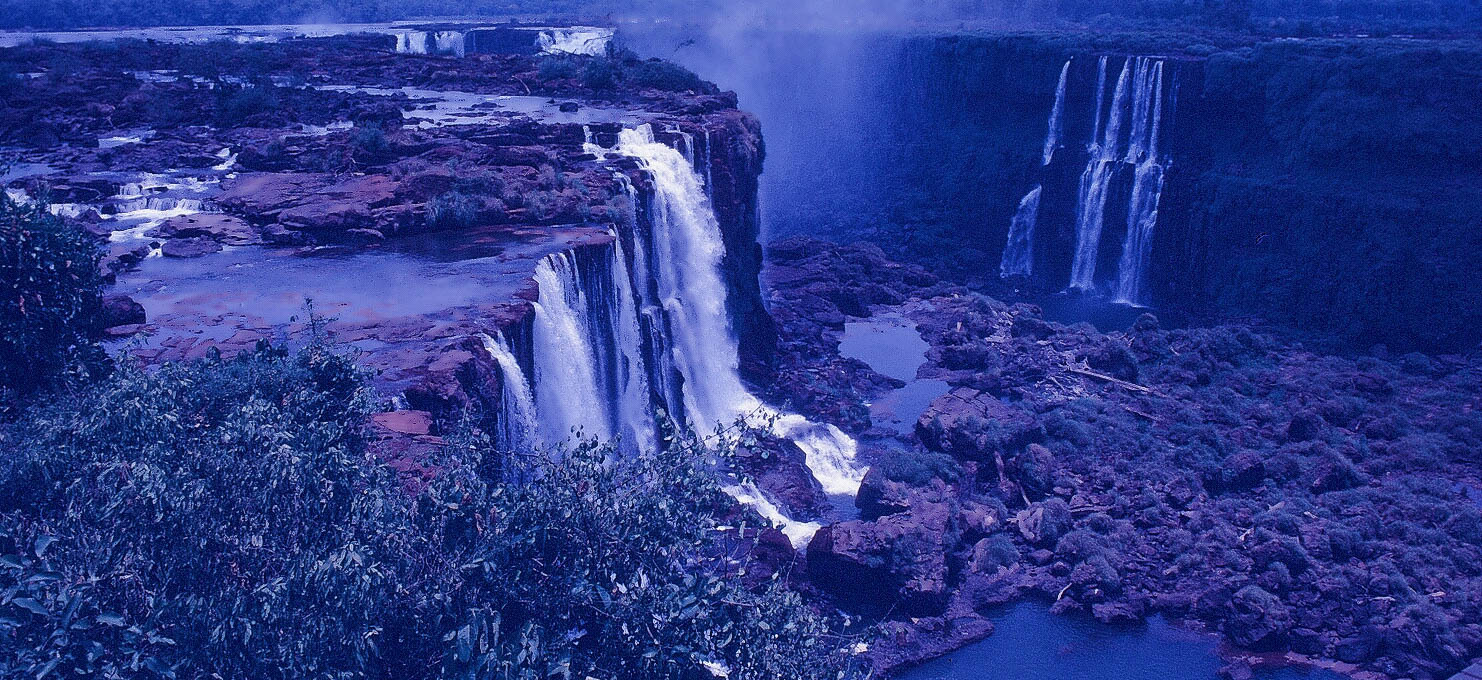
point(1018, 251)
point(565, 365)
point(1057, 116)
point(517, 419)
point(798, 533)
point(1096, 185)
point(432, 42)
point(1018, 255)
point(1147, 187)
point(591, 42)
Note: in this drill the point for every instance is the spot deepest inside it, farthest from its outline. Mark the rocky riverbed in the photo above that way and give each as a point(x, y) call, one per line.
point(1314, 506)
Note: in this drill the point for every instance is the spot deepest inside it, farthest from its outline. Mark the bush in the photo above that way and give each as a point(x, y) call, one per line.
point(663, 75)
point(52, 300)
point(369, 141)
point(452, 210)
point(228, 518)
point(239, 104)
point(600, 74)
point(558, 68)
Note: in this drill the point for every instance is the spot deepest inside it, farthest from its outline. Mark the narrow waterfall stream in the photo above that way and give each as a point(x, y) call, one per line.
point(518, 424)
point(1018, 252)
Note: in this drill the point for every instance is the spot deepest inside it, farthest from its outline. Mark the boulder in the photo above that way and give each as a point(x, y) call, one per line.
point(973, 425)
point(1257, 620)
point(121, 310)
point(900, 559)
point(199, 246)
point(225, 229)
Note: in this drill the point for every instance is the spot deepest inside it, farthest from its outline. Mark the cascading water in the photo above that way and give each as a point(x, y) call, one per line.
point(687, 271)
point(1096, 184)
point(612, 345)
point(518, 424)
point(1139, 95)
point(1057, 116)
point(1147, 187)
point(1018, 252)
point(1018, 255)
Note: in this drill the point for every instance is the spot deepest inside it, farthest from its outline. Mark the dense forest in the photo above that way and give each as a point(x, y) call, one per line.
point(1280, 16)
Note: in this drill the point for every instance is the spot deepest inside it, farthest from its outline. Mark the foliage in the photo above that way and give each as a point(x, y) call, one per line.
point(600, 74)
point(663, 75)
point(229, 518)
point(50, 299)
point(369, 141)
point(558, 67)
point(237, 104)
point(452, 210)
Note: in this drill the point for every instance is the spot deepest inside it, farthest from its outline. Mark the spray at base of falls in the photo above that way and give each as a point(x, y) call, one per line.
point(604, 334)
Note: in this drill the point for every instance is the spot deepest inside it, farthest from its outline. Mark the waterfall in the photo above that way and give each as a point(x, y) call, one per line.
point(1147, 192)
point(1018, 252)
point(590, 374)
point(518, 427)
point(643, 325)
point(1096, 185)
point(686, 272)
point(1018, 255)
point(1057, 116)
point(565, 363)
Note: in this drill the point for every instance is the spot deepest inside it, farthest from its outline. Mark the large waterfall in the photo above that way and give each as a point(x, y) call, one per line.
point(1018, 252)
point(1125, 137)
point(1138, 95)
point(614, 342)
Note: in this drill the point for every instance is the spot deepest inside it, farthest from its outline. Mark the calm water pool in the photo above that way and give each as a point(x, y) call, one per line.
point(1033, 644)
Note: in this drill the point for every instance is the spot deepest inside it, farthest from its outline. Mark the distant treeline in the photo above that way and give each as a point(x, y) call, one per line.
point(1287, 16)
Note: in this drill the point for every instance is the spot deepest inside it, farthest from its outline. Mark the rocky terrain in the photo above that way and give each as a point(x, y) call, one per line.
point(408, 197)
point(1325, 508)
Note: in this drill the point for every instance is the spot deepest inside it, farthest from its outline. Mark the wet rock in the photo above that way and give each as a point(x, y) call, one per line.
point(200, 246)
point(1257, 620)
point(1241, 471)
point(121, 310)
point(226, 229)
point(898, 559)
point(1044, 523)
point(973, 425)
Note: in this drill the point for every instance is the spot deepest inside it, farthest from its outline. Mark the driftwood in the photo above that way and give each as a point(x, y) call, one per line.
point(1086, 372)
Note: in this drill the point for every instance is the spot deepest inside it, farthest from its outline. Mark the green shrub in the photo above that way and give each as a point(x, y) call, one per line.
point(50, 299)
point(236, 105)
point(369, 141)
point(558, 68)
point(229, 518)
point(663, 75)
point(600, 74)
point(452, 210)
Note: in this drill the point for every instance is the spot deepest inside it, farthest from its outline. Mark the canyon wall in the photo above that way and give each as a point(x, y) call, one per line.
point(1327, 185)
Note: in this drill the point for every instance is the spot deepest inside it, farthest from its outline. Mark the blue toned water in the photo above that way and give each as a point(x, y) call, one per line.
point(1030, 643)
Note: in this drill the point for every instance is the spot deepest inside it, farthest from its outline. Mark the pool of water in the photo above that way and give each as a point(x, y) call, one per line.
point(890, 344)
point(1030, 643)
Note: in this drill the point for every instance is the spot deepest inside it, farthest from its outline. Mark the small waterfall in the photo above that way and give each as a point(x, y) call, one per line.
point(1018, 252)
point(1057, 116)
point(1018, 255)
point(591, 42)
point(518, 427)
point(565, 364)
point(1095, 185)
